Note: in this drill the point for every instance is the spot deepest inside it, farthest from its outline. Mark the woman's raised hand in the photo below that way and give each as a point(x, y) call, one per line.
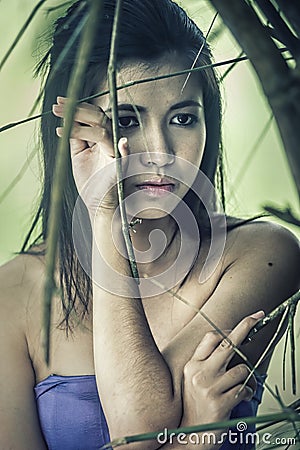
point(210, 389)
point(92, 153)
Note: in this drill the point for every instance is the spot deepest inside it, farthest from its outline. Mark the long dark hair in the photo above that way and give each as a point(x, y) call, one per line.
point(150, 29)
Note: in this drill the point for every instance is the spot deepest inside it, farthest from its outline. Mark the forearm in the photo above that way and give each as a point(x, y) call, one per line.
point(133, 379)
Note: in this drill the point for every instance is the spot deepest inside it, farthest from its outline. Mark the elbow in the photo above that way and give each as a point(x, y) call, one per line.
point(150, 419)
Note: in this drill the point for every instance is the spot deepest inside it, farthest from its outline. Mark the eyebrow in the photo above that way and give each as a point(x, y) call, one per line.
point(184, 104)
point(128, 107)
point(131, 108)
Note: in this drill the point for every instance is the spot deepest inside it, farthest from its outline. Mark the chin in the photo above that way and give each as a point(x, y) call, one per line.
point(152, 213)
point(152, 203)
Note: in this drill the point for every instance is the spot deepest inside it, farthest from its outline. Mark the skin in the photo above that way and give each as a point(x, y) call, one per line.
point(173, 362)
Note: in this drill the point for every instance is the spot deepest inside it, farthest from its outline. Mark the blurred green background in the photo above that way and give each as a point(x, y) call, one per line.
point(265, 180)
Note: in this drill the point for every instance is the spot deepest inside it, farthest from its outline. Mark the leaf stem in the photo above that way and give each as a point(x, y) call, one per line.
point(134, 83)
point(21, 32)
point(75, 84)
point(112, 84)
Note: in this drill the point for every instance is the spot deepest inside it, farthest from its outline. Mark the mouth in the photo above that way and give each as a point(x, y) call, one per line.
point(156, 187)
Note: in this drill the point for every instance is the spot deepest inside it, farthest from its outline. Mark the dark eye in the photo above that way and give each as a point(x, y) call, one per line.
point(128, 122)
point(184, 119)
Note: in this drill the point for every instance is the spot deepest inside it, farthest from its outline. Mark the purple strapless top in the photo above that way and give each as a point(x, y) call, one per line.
point(72, 418)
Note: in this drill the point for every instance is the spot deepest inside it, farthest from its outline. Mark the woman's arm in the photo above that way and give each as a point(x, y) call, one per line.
point(260, 272)
point(210, 389)
point(264, 273)
point(131, 372)
point(19, 424)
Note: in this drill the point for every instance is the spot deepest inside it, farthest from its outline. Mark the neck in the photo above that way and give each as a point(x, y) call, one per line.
point(153, 240)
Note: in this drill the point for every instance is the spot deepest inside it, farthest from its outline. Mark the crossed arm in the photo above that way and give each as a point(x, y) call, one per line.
point(131, 370)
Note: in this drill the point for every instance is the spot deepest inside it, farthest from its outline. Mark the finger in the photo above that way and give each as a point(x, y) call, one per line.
point(91, 135)
point(208, 344)
point(235, 395)
point(76, 145)
point(226, 349)
point(235, 376)
point(86, 113)
point(61, 100)
point(123, 146)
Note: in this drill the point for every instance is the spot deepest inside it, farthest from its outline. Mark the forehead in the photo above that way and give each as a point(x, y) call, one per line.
point(162, 92)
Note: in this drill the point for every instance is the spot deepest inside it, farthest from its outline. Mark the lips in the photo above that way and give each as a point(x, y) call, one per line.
point(157, 182)
point(156, 186)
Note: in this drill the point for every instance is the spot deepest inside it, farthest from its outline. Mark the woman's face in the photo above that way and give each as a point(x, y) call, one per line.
point(165, 128)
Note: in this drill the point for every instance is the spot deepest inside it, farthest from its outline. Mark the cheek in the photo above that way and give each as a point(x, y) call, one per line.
point(201, 145)
point(136, 141)
point(194, 148)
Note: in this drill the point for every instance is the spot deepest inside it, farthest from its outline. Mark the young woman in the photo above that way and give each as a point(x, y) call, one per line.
point(127, 358)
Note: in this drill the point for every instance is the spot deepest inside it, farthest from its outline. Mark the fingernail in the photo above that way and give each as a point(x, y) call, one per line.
point(61, 99)
point(250, 393)
point(258, 315)
point(123, 142)
point(59, 131)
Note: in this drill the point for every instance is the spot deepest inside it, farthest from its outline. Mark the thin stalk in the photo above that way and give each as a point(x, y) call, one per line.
point(286, 214)
point(287, 415)
point(74, 88)
point(112, 84)
point(21, 122)
point(200, 51)
point(129, 84)
point(291, 11)
point(138, 114)
point(55, 8)
point(133, 83)
point(61, 58)
point(230, 68)
point(21, 32)
point(55, 68)
point(292, 313)
point(261, 324)
point(266, 352)
point(284, 33)
point(18, 177)
point(284, 362)
point(294, 406)
point(202, 314)
point(235, 348)
point(277, 78)
point(274, 314)
point(292, 421)
point(251, 153)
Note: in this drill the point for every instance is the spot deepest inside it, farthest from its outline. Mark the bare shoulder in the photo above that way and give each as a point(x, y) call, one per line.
point(18, 413)
point(259, 270)
point(20, 285)
point(268, 253)
point(18, 280)
point(260, 240)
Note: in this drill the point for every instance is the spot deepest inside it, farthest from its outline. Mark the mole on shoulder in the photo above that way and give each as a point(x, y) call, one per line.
point(270, 264)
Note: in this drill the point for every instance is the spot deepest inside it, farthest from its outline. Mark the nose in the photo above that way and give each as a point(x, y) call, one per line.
point(158, 159)
point(159, 150)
